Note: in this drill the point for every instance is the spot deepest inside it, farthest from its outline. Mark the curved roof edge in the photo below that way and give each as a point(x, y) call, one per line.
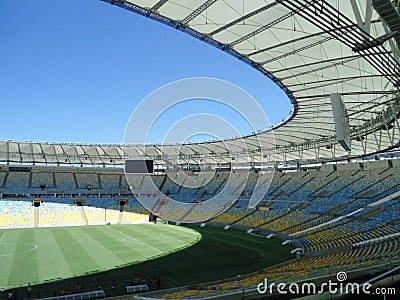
point(204, 38)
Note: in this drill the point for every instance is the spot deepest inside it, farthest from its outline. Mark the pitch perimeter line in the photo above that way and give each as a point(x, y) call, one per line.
point(138, 241)
point(2, 236)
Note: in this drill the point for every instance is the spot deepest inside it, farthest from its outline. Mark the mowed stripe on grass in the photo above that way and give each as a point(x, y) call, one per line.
point(38, 255)
point(24, 270)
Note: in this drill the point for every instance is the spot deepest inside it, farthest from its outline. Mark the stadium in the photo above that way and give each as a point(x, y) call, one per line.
point(281, 213)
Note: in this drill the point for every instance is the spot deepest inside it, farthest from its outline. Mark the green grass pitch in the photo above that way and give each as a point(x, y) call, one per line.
point(63, 252)
point(43, 254)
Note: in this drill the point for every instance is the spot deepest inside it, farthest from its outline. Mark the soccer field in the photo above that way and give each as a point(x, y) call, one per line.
point(35, 255)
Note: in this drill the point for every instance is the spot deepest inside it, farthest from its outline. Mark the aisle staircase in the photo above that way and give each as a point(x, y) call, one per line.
point(36, 217)
point(84, 218)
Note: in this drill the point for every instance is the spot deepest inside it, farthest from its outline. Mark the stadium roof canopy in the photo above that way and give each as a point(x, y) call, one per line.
point(309, 48)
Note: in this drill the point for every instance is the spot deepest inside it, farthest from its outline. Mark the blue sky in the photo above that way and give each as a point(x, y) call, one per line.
point(73, 71)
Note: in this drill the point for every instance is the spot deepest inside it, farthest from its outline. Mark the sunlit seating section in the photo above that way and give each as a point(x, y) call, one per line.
point(321, 195)
point(306, 186)
point(199, 212)
point(101, 210)
point(188, 194)
point(173, 190)
point(338, 186)
point(131, 217)
point(322, 265)
point(390, 214)
point(250, 187)
point(259, 217)
point(295, 187)
point(294, 221)
point(56, 214)
point(14, 213)
point(214, 187)
point(302, 269)
point(278, 215)
point(345, 260)
point(283, 206)
point(343, 190)
point(371, 223)
point(318, 206)
point(188, 212)
point(112, 214)
point(326, 237)
point(295, 201)
point(95, 215)
point(345, 232)
point(174, 212)
point(231, 215)
point(373, 183)
point(322, 189)
point(355, 205)
point(278, 180)
point(308, 221)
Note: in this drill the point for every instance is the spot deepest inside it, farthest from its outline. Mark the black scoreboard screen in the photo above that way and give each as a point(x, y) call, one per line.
point(133, 166)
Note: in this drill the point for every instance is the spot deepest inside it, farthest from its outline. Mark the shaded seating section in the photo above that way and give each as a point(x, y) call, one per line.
point(134, 206)
point(110, 183)
point(39, 181)
point(65, 182)
point(16, 182)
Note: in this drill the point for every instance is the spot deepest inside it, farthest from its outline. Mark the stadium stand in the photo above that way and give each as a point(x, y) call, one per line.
point(295, 201)
point(16, 213)
point(53, 214)
point(339, 224)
